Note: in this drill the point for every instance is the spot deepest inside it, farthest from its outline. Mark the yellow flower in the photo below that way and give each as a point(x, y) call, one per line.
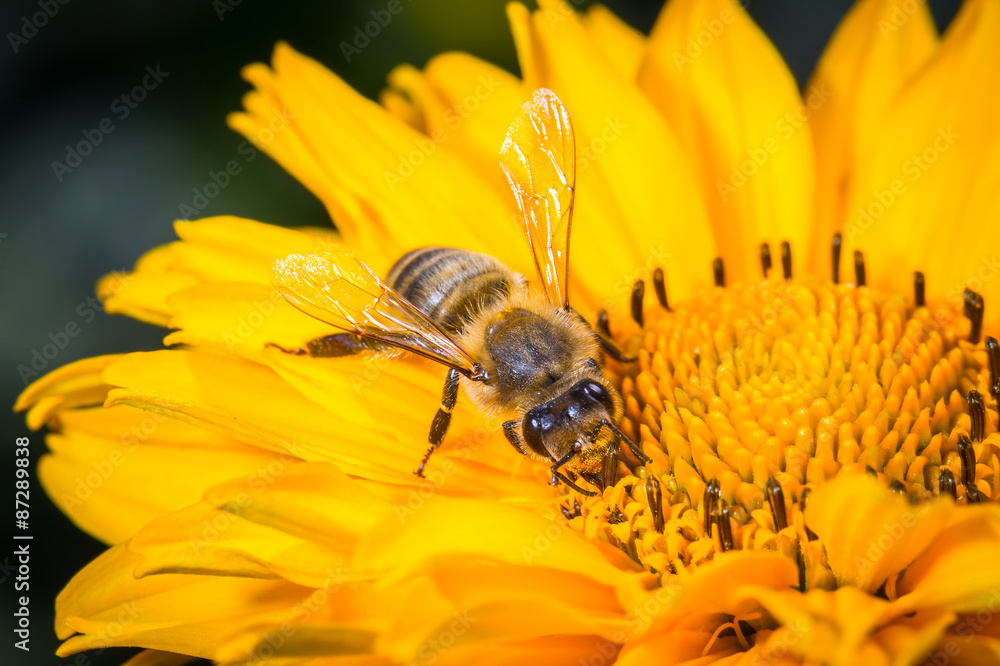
point(824, 441)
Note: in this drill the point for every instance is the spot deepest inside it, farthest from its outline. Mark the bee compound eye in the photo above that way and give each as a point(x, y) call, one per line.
point(533, 427)
point(598, 393)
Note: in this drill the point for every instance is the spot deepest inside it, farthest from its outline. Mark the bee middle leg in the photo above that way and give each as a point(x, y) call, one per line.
point(331, 346)
point(439, 426)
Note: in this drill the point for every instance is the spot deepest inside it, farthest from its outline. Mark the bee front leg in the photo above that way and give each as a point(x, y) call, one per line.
point(439, 427)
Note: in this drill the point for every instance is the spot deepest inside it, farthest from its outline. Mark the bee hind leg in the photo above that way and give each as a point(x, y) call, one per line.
point(439, 426)
point(331, 346)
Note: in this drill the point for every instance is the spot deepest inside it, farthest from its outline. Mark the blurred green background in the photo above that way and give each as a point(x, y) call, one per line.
point(58, 237)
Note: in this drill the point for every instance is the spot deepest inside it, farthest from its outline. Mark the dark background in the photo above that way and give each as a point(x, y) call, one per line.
point(57, 238)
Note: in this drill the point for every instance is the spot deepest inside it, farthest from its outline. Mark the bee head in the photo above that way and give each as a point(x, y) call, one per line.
point(580, 415)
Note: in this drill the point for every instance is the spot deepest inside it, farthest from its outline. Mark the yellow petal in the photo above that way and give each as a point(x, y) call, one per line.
point(388, 188)
point(108, 607)
point(620, 43)
point(73, 385)
point(736, 109)
point(113, 470)
point(954, 571)
point(848, 626)
point(873, 54)
point(637, 205)
point(869, 532)
point(933, 172)
point(415, 538)
point(465, 102)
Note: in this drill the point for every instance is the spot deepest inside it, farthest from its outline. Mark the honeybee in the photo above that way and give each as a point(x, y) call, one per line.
point(520, 354)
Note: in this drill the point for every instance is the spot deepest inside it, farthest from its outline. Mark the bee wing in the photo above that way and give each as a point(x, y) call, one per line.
point(344, 292)
point(538, 162)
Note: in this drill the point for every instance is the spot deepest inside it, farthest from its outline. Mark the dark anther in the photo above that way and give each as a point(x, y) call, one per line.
point(719, 270)
point(993, 355)
point(638, 291)
point(765, 258)
point(602, 323)
point(804, 503)
point(977, 412)
point(776, 500)
point(786, 260)
point(974, 306)
point(837, 242)
point(713, 496)
point(898, 488)
point(654, 497)
point(567, 514)
point(800, 563)
point(968, 455)
point(723, 521)
point(918, 289)
point(946, 484)
point(859, 268)
point(660, 287)
point(973, 496)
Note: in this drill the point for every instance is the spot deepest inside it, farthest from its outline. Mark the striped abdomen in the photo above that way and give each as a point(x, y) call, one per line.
point(450, 285)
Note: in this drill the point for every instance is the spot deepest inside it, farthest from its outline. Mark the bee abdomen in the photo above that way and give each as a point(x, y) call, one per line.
point(449, 285)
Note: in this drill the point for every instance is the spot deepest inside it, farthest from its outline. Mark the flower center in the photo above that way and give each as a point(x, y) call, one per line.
point(750, 396)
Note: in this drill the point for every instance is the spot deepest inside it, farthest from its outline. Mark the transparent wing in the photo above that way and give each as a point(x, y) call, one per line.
point(341, 290)
point(538, 162)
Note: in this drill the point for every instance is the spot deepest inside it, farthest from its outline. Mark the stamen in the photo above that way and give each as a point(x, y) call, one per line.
point(654, 498)
point(993, 355)
point(660, 287)
point(713, 495)
point(602, 323)
point(946, 484)
point(786, 260)
point(638, 291)
point(776, 500)
point(765, 258)
point(898, 488)
point(977, 413)
point(918, 289)
point(859, 268)
point(968, 455)
point(974, 307)
point(837, 242)
point(720, 272)
point(803, 504)
point(723, 522)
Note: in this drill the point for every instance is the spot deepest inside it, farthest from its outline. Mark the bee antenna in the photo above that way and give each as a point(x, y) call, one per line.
point(643, 458)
